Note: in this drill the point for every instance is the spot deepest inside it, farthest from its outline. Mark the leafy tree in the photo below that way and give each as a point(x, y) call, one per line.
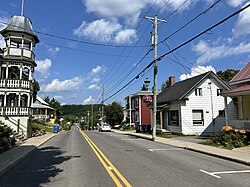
point(228, 74)
point(114, 113)
point(36, 89)
point(54, 104)
point(164, 85)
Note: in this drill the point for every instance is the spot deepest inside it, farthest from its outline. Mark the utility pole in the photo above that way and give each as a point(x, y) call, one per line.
point(155, 43)
point(102, 102)
point(88, 120)
point(92, 123)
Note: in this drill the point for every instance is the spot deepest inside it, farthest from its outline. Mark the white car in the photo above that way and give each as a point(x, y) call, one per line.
point(104, 127)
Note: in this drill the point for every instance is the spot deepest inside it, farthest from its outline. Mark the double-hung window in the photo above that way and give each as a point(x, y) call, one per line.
point(198, 91)
point(198, 118)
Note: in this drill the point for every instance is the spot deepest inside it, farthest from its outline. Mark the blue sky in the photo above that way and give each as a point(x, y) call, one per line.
point(113, 37)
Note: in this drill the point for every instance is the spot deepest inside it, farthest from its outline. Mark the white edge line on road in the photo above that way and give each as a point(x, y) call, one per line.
point(211, 174)
point(165, 149)
point(231, 172)
point(119, 135)
point(132, 139)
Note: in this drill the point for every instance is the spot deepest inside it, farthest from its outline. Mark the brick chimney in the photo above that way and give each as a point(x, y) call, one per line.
point(171, 80)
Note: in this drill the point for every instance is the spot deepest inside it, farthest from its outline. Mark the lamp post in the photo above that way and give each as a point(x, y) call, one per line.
point(146, 84)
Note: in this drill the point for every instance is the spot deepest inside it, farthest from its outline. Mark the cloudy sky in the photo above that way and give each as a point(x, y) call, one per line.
point(85, 44)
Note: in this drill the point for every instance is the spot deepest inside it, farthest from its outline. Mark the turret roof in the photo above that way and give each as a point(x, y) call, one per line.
point(20, 24)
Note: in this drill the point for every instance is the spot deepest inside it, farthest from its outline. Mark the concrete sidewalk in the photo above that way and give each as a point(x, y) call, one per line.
point(13, 156)
point(241, 155)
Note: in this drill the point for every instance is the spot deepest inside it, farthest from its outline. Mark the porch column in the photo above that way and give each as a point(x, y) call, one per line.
point(22, 41)
point(21, 72)
point(19, 100)
point(226, 110)
point(5, 99)
point(161, 121)
point(28, 101)
point(240, 107)
point(30, 74)
point(7, 72)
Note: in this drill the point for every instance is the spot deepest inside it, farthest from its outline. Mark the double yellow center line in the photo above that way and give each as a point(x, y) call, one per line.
point(110, 168)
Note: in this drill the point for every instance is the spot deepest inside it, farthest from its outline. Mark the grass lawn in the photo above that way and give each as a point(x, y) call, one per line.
point(47, 127)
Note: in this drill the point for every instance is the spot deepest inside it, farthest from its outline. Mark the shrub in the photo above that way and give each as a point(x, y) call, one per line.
point(231, 138)
point(5, 131)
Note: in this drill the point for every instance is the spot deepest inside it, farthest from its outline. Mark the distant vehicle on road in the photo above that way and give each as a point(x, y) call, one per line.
point(104, 127)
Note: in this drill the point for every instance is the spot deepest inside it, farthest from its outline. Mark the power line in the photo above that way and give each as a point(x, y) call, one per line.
point(176, 48)
point(134, 45)
point(86, 51)
point(70, 39)
point(182, 27)
point(109, 91)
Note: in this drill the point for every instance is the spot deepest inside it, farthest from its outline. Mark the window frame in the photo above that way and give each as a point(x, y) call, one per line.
point(198, 91)
point(171, 120)
point(199, 122)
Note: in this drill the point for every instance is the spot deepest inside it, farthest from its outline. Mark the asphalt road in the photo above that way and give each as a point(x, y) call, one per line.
point(110, 159)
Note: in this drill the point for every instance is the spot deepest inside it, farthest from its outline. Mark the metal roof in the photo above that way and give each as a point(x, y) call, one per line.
point(243, 74)
point(20, 24)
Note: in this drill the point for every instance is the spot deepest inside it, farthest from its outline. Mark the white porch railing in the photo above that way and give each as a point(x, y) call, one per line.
point(12, 83)
point(14, 111)
point(19, 52)
point(40, 116)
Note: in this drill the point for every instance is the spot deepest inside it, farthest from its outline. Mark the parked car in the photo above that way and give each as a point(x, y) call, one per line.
point(104, 127)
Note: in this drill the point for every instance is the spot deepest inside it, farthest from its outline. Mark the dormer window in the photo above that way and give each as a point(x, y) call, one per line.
point(198, 91)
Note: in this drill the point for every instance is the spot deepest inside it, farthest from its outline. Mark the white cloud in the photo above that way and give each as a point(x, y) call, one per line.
point(4, 19)
point(94, 87)
point(98, 69)
point(243, 22)
point(43, 67)
point(95, 80)
point(104, 30)
point(125, 36)
point(89, 100)
point(128, 9)
point(197, 71)
point(236, 3)
point(54, 51)
point(70, 85)
point(208, 53)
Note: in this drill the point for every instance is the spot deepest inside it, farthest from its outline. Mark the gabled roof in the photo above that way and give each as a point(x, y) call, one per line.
point(242, 76)
point(40, 100)
point(180, 90)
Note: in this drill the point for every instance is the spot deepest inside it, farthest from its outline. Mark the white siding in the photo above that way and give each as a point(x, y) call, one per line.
point(208, 101)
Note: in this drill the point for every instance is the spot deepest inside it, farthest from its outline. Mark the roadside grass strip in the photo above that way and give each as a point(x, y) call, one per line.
point(109, 167)
point(215, 174)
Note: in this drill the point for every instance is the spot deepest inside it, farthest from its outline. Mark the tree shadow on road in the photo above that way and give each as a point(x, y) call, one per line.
point(37, 168)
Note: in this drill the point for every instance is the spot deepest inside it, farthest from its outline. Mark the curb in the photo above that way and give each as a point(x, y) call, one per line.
point(23, 156)
point(218, 156)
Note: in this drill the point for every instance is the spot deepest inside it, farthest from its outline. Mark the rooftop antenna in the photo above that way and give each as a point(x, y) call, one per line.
point(22, 7)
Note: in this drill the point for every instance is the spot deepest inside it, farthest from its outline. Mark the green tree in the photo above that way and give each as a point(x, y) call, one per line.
point(36, 89)
point(228, 74)
point(54, 104)
point(114, 113)
point(164, 85)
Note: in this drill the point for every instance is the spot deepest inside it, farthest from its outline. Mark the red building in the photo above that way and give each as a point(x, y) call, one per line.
point(138, 110)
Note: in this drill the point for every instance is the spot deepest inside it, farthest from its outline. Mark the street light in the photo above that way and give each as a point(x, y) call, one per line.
point(146, 84)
